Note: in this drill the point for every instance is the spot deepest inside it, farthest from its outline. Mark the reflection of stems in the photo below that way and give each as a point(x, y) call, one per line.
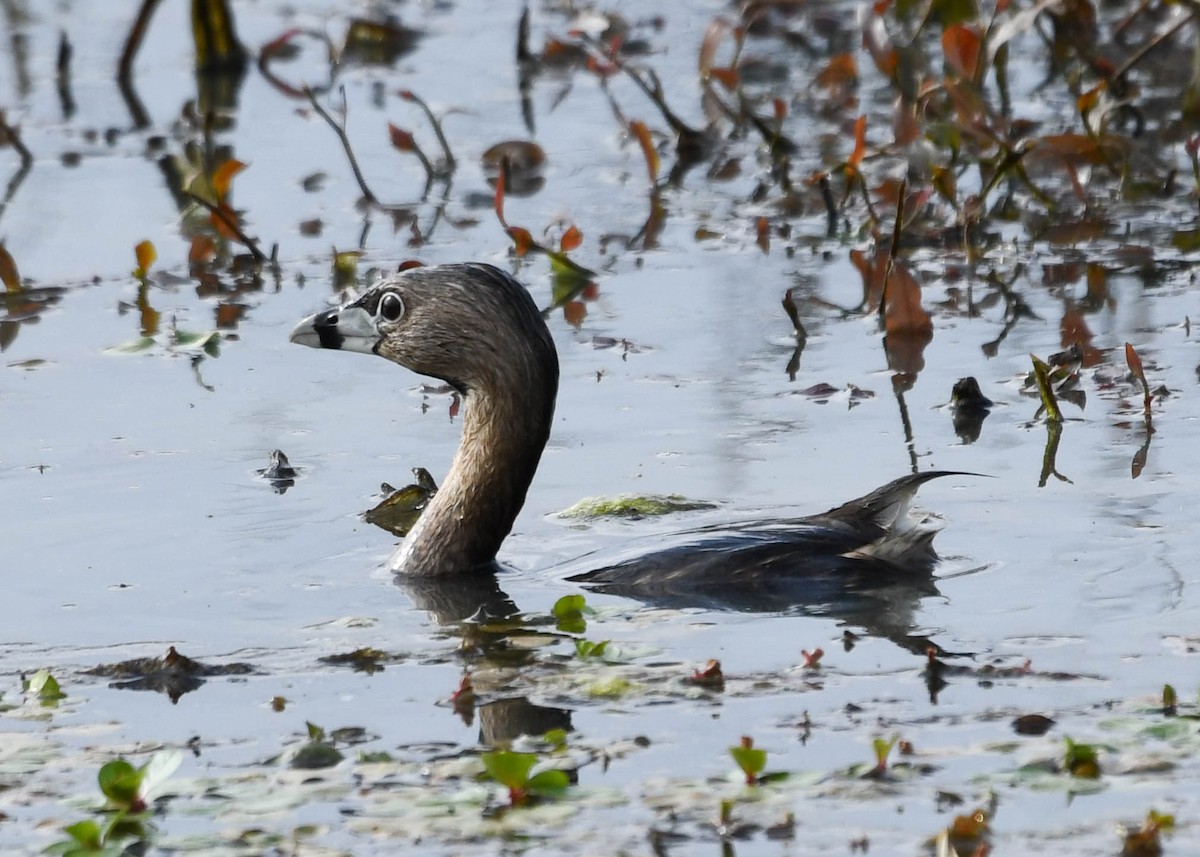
point(340, 130)
point(125, 68)
point(63, 75)
point(831, 212)
point(1053, 436)
point(898, 387)
point(12, 135)
point(232, 225)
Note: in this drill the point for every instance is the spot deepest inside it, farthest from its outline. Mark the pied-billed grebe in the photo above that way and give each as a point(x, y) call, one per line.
point(477, 329)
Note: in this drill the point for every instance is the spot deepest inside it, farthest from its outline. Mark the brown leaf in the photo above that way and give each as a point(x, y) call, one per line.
point(762, 231)
point(713, 36)
point(841, 71)
point(202, 249)
point(962, 46)
point(8, 271)
point(728, 77)
point(642, 133)
point(903, 313)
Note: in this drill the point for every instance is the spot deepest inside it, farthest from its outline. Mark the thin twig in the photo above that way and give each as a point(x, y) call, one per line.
point(230, 224)
point(409, 95)
point(340, 130)
point(895, 249)
point(1151, 45)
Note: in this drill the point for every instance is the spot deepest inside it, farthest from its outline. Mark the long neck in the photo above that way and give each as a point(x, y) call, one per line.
point(505, 429)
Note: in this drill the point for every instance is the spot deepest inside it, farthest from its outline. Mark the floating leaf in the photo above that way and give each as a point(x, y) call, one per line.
point(1081, 760)
point(633, 506)
point(710, 676)
point(587, 649)
point(568, 614)
point(45, 686)
point(133, 346)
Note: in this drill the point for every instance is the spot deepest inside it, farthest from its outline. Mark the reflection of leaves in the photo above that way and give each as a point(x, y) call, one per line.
point(520, 163)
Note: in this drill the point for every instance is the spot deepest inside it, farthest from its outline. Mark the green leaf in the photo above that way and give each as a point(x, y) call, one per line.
point(86, 833)
point(45, 686)
point(587, 649)
point(315, 756)
point(157, 771)
point(119, 782)
point(633, 506)
point(133, 346)
point(509, 769)
point(208, 341)
point(552, 783)
point(568, 613)
point(1081, 760)
point(315, 732)
point(750, 759)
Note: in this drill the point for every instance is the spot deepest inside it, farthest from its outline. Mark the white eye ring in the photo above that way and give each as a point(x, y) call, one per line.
point(391, 307)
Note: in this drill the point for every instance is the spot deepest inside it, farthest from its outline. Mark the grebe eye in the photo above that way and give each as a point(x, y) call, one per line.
point(391, 307)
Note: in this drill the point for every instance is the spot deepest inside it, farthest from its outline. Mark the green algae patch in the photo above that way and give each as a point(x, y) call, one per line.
point(634, 506)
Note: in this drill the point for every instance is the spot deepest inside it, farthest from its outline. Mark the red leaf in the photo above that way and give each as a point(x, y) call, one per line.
point(762, 230)
point(728, 77)
point(401, 139)
point(522, 240)
point(571, 239)
point(860, 143)
point(409, 264)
